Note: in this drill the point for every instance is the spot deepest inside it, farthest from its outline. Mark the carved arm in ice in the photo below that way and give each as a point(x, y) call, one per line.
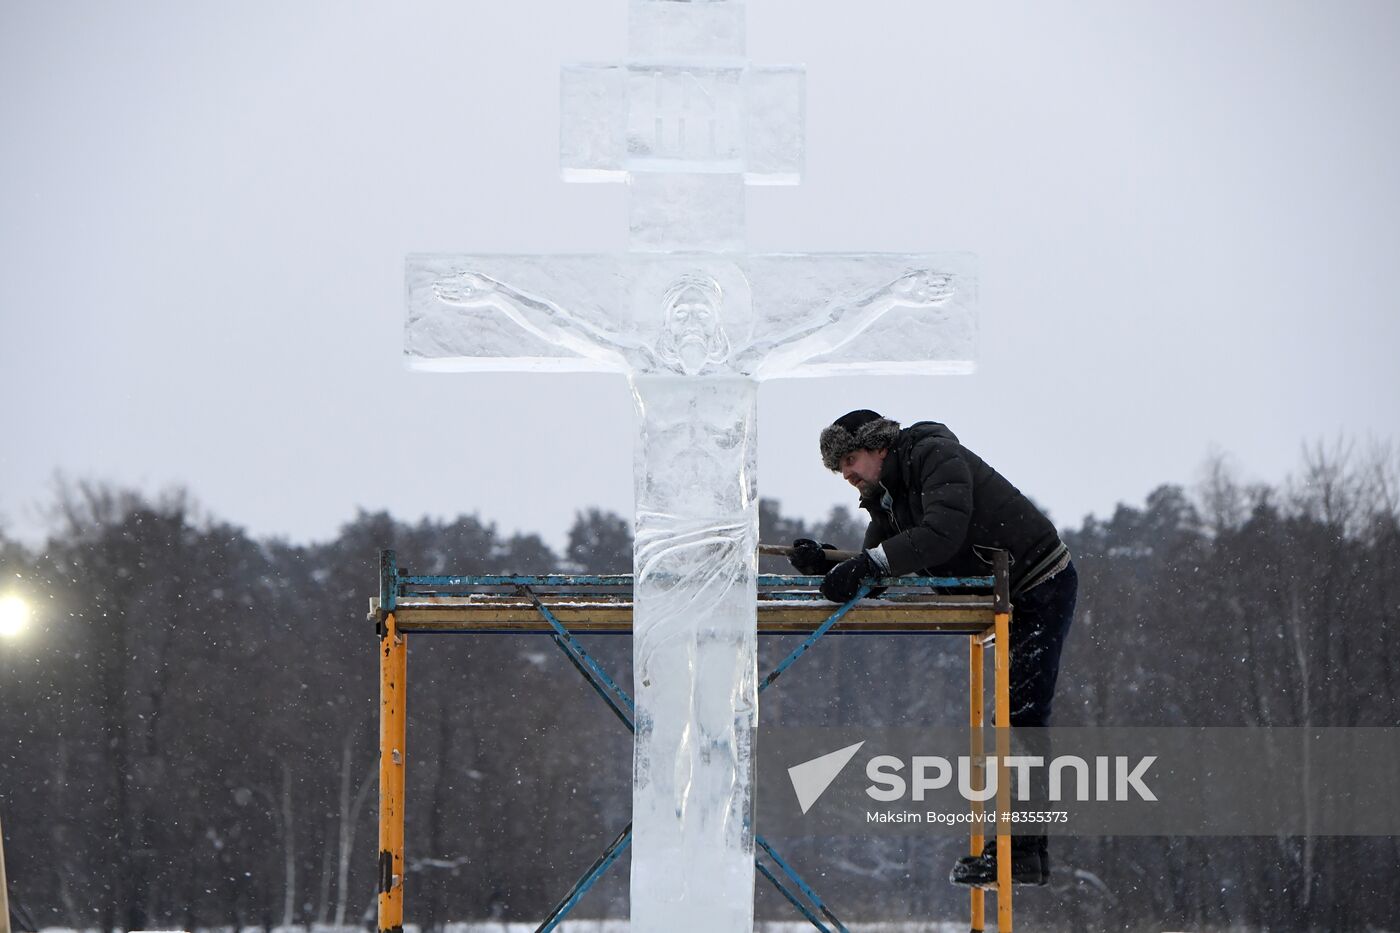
point(844, 320)
point(543, 318)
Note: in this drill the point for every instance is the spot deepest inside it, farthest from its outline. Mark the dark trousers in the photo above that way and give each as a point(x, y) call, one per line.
point(1040, 620)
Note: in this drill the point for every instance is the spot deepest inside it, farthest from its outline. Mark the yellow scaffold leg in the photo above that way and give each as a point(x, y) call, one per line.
point(1003, 724)
point(393, 730)
point(976, 712)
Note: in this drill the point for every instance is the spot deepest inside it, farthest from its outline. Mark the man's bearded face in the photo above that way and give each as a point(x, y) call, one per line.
point(861, 468)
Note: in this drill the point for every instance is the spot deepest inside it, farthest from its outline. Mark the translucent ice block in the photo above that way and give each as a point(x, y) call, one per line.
point(619, 119)
point(674, 31)
point(669, 212)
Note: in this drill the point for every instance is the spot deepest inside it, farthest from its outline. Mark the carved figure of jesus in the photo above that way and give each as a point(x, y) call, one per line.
point(695, 617)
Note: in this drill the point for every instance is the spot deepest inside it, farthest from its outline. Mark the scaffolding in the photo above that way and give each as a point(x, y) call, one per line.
point(562, 606)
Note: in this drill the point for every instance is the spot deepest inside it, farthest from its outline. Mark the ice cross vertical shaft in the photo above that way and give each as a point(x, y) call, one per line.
point(694, 323)
point(694, 652)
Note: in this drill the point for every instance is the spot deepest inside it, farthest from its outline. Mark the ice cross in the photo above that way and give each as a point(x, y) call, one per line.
point(695, 324)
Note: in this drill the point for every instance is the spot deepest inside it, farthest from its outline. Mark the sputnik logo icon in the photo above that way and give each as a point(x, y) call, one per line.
point(811, 778)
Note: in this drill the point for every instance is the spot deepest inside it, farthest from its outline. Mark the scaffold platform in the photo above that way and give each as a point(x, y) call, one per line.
point(563, 606)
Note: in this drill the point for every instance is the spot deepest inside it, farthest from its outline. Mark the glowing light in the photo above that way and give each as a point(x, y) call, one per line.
point(14, 616)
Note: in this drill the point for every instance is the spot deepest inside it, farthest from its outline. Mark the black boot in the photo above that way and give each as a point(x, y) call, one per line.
point(1030, 864)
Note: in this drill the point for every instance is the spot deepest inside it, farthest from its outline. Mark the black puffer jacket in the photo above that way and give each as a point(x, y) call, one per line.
point(945, 510)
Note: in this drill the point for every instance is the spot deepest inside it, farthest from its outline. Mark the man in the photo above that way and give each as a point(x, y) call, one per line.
point(937, 509)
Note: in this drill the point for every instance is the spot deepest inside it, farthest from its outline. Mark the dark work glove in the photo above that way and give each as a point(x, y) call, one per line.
point(844, 580)
point(807, 557)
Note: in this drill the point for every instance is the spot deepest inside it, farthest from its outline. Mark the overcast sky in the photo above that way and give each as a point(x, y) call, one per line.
point(1187, 218)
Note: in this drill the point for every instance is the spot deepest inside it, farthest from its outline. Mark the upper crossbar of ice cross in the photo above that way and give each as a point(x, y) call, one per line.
point(686, 101)
point(620, 120)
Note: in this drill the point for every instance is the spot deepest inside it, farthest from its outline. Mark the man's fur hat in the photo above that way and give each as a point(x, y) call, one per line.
point(858, 430)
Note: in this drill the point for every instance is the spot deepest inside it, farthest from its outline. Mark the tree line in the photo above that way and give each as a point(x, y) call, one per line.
point(188, 733)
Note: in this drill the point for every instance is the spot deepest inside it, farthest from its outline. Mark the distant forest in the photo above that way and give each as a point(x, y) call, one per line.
point(188, 731)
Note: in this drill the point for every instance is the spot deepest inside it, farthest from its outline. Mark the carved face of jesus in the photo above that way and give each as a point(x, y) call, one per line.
point(692, 334)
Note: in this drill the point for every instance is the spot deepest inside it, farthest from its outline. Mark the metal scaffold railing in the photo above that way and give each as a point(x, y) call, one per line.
point(563, 606)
